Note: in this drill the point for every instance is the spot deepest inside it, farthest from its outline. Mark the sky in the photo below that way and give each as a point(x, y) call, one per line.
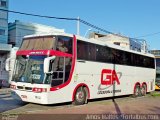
point(132, 18)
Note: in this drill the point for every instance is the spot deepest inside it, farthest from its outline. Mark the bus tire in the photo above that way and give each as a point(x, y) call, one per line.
point(80, 96)
point(86, 91)
point(143, 90)
point(137, 91)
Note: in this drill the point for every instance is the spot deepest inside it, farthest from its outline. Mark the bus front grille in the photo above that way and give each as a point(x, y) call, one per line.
point(24, 88)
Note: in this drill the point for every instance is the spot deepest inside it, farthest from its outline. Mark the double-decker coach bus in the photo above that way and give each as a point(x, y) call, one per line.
point(61, 67)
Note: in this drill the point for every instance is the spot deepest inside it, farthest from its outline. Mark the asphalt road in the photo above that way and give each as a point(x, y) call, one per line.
point(7, 102)
point(10, 105)
point(142, 105)
point(120, 108)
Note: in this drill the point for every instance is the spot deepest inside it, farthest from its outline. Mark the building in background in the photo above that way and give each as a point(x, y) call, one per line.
point(123, 41)
point(3, 21)
point(4, 46)
point(112, 38)
point(157, 56)
point(18, 30)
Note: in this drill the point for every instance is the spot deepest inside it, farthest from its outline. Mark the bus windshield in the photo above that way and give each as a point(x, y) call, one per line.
point(39, 43)
point(59, 43)
point(29, 69)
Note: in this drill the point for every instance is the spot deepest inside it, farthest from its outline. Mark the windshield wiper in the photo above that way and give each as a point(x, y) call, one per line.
point(32, 81)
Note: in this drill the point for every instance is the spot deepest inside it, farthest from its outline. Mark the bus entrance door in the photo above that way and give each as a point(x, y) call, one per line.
point(61, 69)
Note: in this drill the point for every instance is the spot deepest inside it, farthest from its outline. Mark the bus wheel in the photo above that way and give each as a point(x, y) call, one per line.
point(143, 90)
point(137, 91)
point(80, 96)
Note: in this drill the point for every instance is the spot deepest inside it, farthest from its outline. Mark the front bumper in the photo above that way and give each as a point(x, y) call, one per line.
point(40, 98)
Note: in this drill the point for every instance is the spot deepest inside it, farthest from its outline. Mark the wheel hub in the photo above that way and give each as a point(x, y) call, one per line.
point(80, 96)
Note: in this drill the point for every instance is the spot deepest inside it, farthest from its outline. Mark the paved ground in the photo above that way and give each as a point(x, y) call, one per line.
point(7, 102)
point(142, 105)
point(122, 105)
point(119, 106)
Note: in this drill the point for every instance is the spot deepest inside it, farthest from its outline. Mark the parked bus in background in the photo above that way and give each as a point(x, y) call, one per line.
point(59, 68)
point(157, 83)
point(157, 57)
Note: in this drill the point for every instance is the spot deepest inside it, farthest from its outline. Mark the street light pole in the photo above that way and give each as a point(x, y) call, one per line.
point(87, 32)
point(78, 26)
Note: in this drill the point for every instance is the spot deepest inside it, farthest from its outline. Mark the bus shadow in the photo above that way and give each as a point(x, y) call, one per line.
point(118, 111)
point(55, 105)
point(109, 98)
point(10, 104)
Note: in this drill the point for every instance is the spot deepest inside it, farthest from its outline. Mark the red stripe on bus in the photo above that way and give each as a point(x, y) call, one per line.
point(137, 83)
point(43, 52)
point(144, 83)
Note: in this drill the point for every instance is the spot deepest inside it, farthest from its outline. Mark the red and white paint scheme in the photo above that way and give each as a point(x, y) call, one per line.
point(59, 68)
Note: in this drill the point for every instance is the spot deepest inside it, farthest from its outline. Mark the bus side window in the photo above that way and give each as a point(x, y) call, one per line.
point(64, 44)
point(61, 47)
point(82, 50)
point(91, 52)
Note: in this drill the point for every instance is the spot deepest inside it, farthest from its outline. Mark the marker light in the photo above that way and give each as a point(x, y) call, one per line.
point(39, 89)
point(13, 86)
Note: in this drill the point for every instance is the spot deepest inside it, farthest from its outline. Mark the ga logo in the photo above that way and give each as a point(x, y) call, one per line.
point(108, 77)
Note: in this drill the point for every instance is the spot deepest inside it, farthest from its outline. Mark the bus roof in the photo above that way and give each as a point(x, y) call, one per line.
point(48, 34)
point(99, 42)
point(92, 40)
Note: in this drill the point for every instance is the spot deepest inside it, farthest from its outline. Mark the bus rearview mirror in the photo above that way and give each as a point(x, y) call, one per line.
point(47, 64)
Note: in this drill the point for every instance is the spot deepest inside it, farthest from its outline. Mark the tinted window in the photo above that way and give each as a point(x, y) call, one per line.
point(91, 52)
point(99, 53)
point(117, 56)
point(127, 58)
point(64, 44)
point(103, 54)
point(82, 49)
point(38, 43)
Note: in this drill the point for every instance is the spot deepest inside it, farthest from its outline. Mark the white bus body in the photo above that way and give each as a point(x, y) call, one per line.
point(87, 79)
